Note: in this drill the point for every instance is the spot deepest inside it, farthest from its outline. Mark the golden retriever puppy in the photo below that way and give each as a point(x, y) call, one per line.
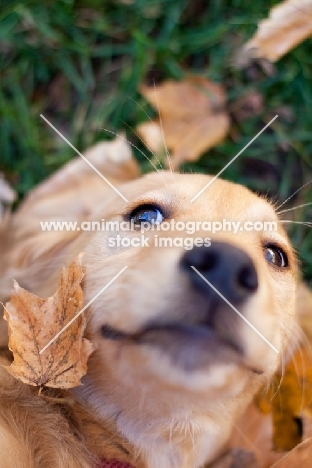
point(184, 337)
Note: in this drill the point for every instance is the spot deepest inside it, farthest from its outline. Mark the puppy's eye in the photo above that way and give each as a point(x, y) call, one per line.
point(276, 256)
point(146, 214)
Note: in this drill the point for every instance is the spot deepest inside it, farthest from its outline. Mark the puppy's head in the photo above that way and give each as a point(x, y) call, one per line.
point(198, 312)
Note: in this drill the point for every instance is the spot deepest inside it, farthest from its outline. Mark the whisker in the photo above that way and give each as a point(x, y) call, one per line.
point(298, 366)
point(142, 141)
point(292, 347)
point(300, 188)
point(294, 208)
point(134, 146)
point(300, 382)
point(139, 105)
point(281, 379)
point(303, 223)
point(163, 134)
point(301, 341)
point(293, 355)
point(303, 338)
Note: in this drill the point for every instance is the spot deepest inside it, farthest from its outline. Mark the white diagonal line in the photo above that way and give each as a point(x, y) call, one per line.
point(232, 160)
point(84, 158)
point(237, 311)
point(82, 310)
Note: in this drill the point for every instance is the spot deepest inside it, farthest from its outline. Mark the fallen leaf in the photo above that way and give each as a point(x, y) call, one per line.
point(289, 400)
point(33, 322)
point(281, 415)
point(152, 135)
point(192, 120)
point(183, 99)
point(289, 23)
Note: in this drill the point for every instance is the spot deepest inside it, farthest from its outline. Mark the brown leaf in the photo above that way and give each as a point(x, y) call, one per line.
point(289, 23)
point(286, 407)
point(33, 322)
point(152, 135)
point(183, 99)
point(290, 400)
point(193, 118)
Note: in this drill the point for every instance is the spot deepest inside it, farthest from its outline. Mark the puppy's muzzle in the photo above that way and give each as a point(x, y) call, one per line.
point(207, 331)
point(229, 269)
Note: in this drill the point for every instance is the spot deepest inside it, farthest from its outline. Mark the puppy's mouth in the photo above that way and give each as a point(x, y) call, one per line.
point(191, 347)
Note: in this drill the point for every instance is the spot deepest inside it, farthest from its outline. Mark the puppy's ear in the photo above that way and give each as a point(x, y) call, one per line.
point(70, 195)
point(34, 256)
point(81, 184)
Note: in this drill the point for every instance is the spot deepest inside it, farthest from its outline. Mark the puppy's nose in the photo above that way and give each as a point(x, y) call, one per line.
point(229, 269)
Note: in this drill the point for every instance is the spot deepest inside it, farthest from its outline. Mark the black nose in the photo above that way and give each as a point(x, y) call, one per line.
point(229, 269)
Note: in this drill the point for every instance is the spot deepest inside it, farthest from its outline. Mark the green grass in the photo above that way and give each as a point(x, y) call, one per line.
point(80, 63)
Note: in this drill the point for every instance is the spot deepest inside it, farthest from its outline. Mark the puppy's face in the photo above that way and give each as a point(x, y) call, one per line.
point(203, 320)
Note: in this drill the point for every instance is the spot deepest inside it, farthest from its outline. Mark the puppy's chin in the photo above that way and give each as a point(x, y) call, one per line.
point(193, 357)
point(144, 365)
point(192, 347)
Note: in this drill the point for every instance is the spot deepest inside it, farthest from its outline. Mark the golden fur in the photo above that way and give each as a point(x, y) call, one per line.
point(135, 404)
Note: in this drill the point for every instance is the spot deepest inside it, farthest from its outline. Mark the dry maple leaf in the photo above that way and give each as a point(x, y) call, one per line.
point(289, 23)
point(33, 322)
point(281, 415)
point(289, 400)
point(193, 118)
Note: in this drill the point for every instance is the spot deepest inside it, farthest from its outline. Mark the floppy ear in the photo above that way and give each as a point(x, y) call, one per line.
point(31, 255)
point(78, 187)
